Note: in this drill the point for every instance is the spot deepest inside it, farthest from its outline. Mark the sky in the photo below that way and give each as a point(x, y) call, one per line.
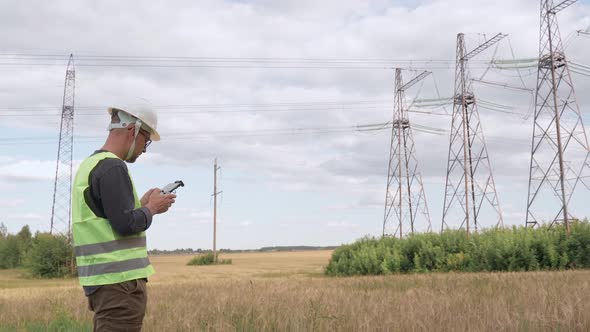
point(243, 82)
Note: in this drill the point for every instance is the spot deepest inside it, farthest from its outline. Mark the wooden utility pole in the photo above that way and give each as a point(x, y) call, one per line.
point(215, 193)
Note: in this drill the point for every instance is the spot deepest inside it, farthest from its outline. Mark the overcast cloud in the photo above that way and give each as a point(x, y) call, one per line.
point(282, 184)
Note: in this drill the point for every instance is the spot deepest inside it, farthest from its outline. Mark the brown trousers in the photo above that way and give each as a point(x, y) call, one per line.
point(119, 307)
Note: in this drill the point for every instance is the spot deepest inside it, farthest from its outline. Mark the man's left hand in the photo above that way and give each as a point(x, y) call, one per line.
point(145, 198)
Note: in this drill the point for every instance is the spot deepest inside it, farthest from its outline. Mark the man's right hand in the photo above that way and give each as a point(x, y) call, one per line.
point(159, 203)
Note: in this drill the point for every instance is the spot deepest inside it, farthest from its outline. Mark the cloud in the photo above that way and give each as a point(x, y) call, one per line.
point(11, 202)
point(27, 217)
point(251, 116)
point(27, 170)
point(18, 170)
point(182, 216)
point(342, 225)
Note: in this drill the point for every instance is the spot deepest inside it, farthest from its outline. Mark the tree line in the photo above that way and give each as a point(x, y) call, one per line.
point(41, 255)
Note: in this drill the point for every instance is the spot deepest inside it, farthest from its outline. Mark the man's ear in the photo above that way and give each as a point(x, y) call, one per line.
point(131, 130)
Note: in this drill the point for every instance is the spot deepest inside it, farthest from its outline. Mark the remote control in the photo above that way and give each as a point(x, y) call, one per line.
point(170, 188)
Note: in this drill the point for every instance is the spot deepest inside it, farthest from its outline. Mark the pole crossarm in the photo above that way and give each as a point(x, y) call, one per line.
point(561, 6)
point(415, 80)
point(484, 46)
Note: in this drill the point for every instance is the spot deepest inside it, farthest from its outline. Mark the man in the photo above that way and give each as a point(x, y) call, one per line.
point(109, 220)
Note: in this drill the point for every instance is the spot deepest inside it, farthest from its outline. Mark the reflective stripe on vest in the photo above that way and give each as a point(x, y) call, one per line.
point(106, 247)
point(102, 255)
point(121, 266)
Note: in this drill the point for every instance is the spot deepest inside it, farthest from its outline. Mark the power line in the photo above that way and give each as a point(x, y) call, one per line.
point(130, 61)
point(218, 108)
point(237, 133)
point(377, 127)
point(61, 57)
point(225, 133)
point(221, 105)
point(503, 85)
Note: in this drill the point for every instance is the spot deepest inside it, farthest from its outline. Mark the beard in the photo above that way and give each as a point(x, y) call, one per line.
point(133, 157)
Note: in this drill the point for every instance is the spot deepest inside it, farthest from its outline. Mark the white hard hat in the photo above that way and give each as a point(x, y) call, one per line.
point(146, 115)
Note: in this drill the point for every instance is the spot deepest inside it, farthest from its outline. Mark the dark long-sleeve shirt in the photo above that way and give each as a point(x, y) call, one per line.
point(110, 196)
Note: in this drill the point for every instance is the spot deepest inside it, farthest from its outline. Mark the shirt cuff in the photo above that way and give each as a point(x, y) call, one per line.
point(148, 217)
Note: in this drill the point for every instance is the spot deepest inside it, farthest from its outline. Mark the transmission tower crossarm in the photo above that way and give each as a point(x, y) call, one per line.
point(484, 46)
point(414, 80)
point(561, 6)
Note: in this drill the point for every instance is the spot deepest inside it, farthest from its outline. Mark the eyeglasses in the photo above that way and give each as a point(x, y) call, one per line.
point(148, 141)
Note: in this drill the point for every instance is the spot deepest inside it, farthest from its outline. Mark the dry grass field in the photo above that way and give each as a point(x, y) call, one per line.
point(287, 291)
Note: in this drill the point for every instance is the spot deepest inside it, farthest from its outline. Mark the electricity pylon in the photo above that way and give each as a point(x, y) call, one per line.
point(62, 190)
point(470, 184)
point(559, 153)
point(405, 191)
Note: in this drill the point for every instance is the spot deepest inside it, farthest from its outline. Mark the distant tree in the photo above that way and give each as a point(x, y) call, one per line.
point(13, 248)
point(10, 256)
point(25, 241)
point(3, 235)
point(3, 231)
point(49, 256)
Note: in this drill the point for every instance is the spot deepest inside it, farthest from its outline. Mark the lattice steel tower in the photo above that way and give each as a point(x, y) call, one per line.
point(470, 184)
point(559, 153)
point(62, 190)
point(405, 191)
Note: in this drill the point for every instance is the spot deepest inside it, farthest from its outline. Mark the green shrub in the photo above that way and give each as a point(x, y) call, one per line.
point(509, 249)
point(44, 255)
point(14, 248)
point(10, 255)
point(49, 256)
point(208, 259)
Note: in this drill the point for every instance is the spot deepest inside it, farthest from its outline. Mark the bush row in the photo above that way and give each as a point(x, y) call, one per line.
point(208, 259)
point(502, 249)
point(43, 255)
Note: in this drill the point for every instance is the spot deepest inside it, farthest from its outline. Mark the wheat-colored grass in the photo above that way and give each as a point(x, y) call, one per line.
point(288, 292)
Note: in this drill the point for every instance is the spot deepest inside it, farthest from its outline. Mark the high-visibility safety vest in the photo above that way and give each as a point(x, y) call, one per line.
point(103, 256)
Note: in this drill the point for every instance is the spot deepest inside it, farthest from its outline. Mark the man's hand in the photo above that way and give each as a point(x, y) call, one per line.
point(146, 197)
point(159, 203)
